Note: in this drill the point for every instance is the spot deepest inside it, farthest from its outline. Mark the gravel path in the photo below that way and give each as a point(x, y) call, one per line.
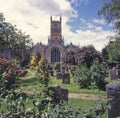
point(77, 95)
point(87, 96)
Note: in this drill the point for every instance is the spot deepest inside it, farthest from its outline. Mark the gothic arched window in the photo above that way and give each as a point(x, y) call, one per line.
point(55, 55)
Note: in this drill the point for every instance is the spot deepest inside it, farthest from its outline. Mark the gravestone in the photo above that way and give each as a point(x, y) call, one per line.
point(63, 70)
point(112, 74)
point(72, 71)
point(66, 78)
point(49, 67)
point(113, 97)
point(59, 75)
point(118, 70)
point(60, 94)
point(67, 69)
point(51, 72)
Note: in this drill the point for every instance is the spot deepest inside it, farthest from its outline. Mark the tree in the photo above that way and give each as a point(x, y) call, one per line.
point(70, 58)
point(111, 53)
point(93, 77)
point(111, 12)
point(13, 41)
point(87, 55)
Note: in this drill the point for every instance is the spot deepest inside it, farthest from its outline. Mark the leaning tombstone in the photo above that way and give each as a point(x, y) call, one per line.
point(66, 78)
point(112, 74)
point(113, 97)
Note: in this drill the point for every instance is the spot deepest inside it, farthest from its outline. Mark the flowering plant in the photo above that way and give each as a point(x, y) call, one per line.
point(10, 70)
point(43, 71)
point(33, 62)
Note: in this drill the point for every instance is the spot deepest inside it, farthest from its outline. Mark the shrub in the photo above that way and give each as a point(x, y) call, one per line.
point(82, 76)
point(10, 70)
point(92, 77)
point(98, 74)
point(43, 71)
point(57, 66)
point(33, 62)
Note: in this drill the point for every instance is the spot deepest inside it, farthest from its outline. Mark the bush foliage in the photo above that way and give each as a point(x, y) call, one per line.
point(10, 70)
point(93, 77)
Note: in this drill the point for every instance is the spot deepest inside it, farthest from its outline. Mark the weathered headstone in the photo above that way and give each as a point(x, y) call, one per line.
point(59, 75)
point(51, 72)
point(66, 78)
point(118, 70)
point(63, 70)
point(60, 94)
point(49, 67)
point(72, 71)
point(113, 96)
point(112, 74)
point(67, 69)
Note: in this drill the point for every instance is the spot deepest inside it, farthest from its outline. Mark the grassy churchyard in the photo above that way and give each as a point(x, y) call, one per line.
point(58, 79)
point(78, 97)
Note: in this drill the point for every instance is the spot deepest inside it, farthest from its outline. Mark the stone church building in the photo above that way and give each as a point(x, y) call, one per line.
point(55, 50)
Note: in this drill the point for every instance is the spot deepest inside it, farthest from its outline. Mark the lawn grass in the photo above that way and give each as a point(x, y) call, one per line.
point(110, 81)
point(33, 83)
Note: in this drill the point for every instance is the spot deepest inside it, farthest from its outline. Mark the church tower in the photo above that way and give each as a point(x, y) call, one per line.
point(55, 30)
point(55, 27)
point(55, 50)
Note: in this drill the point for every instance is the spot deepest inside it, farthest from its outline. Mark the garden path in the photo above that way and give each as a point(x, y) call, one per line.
point(77, 95)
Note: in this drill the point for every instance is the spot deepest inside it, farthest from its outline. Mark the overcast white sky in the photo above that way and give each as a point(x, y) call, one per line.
point(33, 17)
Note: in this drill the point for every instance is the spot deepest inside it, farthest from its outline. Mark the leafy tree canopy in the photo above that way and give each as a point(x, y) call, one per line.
point(111, 12)
point(88, 54)
point(14, 41)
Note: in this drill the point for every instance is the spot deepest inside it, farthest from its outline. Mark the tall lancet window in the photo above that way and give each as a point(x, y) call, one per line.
point(55, 55)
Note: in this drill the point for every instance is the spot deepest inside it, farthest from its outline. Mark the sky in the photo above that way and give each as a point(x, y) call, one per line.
point(81, 24)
